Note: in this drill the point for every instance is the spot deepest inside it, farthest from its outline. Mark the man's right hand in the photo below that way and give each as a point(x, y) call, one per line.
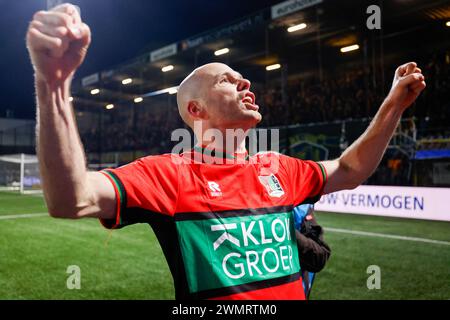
point(57, 41)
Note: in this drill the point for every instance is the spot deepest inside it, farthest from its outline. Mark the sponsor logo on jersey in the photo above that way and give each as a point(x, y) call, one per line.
point(272, 185)
point(230, 251)
point(214, 188)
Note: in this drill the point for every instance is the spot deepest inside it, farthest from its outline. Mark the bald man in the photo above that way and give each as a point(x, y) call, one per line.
point(227, 230)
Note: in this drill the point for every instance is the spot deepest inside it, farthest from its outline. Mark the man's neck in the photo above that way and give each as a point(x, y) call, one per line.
point(229, 141)
point(232, 148)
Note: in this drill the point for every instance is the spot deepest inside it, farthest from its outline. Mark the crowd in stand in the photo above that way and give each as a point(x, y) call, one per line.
point(311, 100)
point(340, 96)
point(144, 127)
point(354, 95)
point(432, 107)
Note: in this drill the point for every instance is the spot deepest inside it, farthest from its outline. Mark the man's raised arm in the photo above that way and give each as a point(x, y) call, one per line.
point(57, 41)
point(361, 159)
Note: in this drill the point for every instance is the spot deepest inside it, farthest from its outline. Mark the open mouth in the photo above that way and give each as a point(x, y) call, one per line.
point(249, 101)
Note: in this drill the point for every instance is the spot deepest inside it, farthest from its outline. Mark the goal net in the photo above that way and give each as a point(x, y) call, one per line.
point(20, 172)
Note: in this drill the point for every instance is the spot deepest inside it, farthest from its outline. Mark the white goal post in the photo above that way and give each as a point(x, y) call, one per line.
point(20, 172)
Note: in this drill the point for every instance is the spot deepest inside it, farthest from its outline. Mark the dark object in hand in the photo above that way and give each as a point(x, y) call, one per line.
point(312, 249)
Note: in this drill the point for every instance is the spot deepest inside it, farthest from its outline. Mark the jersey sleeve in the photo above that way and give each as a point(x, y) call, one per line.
point(307, 179)
point(147, 185)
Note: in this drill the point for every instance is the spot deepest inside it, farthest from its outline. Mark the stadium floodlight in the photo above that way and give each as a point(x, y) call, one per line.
point(70, 99)
point(273, 67)
point(138, 99)
point(167, 68)
point(447, 23)
point(109, 106)
point(172, 90)
point(350, 48)
point(221, 52)
point(297, 27)
point(127, 81)
point(95, 91)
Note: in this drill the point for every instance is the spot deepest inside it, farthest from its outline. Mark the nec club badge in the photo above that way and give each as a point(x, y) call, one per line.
point(272, 185)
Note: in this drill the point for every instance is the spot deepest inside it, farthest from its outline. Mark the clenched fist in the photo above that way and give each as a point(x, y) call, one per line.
point(407, 85)
point(57, 41)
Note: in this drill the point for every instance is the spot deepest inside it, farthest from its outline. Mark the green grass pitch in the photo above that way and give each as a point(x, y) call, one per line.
point(128, 264)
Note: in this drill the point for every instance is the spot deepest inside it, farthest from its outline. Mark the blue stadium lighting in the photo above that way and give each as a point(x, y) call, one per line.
point(171, 90)
point(53, 3)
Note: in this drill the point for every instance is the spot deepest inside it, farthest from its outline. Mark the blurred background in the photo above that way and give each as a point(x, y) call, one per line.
point(320, 70)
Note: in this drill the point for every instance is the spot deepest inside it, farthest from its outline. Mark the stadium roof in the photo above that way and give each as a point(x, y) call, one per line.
point(261, 39)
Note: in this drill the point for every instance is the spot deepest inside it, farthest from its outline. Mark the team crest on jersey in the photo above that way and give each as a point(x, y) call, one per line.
point(272, 185)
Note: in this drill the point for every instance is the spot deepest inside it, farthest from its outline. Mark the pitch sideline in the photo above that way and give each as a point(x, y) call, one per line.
point(386, 236)
point(19, 216)
point(336, 230)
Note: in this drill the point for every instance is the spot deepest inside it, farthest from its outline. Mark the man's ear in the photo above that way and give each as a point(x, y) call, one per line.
point(196, 110)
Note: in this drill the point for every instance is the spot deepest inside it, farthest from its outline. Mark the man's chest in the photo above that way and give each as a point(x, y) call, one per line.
point(235, 227)
point(218, 188)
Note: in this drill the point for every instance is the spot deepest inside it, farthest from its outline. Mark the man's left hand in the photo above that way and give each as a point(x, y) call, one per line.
point(407, 85)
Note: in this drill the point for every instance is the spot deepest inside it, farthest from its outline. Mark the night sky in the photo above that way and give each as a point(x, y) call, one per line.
point(121, 30)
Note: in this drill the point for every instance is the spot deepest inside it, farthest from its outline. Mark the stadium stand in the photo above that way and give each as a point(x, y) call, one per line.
point(337, 97)
point(329, 97)
point(330, 101)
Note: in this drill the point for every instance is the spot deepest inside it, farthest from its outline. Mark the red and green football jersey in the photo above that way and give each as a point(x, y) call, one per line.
point(226, 230)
